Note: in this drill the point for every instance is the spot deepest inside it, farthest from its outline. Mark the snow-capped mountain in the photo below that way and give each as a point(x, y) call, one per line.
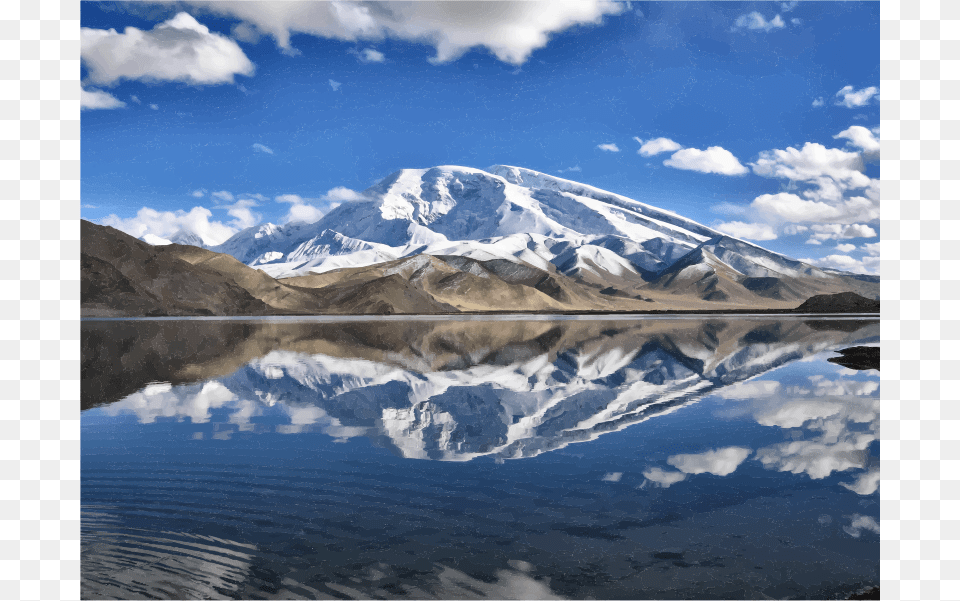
point(600, 238)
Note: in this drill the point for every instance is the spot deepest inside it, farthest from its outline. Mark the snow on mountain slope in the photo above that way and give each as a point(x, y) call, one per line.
point(515, 214)
point(507, 212)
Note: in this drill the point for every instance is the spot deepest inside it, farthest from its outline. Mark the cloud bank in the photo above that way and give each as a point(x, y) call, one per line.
point(180, 49)
point(511, 31)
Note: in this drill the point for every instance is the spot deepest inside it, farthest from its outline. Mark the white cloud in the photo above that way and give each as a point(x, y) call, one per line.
point(305, 209)
point(510, 31)
point(656, 146)
point(575, 168)
point(223, 195)
point(198, 193)
point(756, 21)
point(788, 6)
point(369, 55)
point(851, 98)
point(814, 163)
point(342, 194)
point(334, 84)
point(134, 99)
point(719, 462)
point(180, 49)
point(867, 265)
point(860, 523)
point(712, 160)
point(793, 229)
point(262, 148)
point(872, 248)
point(243, 217)
point(796, 21)
point(747, 231)
point(837, 231)
point(613, 477)
point(832, 177)
point(846, 248)
point(862, 138)
point(663, 478)
point(609, 147)
point(818, 101)
point(88, 206)
point(98, 99)
point(155, 107)
point(167, 223)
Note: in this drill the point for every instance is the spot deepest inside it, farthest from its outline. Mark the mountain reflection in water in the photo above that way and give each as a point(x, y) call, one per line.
point(460, 391)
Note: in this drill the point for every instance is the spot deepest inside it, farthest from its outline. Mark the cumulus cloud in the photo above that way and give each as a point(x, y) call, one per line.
point(663, 478)
point(165, 224)
point(756, 21)
point(312, 209)
point(301, 209)
point(613, 477)
point(719, 462)
point(369, 55)
point(851, 98)
point(712, 160)
point(862, 138)
point(98, 99)
point(609, 147)
point(866, 265)
point(342, 194)
point(747, 231)
point(818, 101)
point(223, 195)
point(180, 49)
point(788, 6)
point(656, 146)
point(846, 248)
point(134, 99)
point(832, 169)
point(154, 107)
point(262, 148)
point(837, 231)
point(511, 31)
point(834, 188)
point(872, 249)
point(198, 193)
point(334, 84)
point(794, 229)
point(243, 216)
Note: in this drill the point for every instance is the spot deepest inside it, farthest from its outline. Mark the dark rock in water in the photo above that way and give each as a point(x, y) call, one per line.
point(842, 302)
point(859, 357)
point(870, 593)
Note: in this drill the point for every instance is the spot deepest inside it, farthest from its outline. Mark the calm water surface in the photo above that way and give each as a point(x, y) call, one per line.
point(643, 458)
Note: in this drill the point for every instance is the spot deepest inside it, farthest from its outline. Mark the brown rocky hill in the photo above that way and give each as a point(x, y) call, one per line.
point(843, 302)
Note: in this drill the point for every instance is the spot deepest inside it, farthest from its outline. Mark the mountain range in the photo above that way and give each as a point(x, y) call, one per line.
point(453, 239)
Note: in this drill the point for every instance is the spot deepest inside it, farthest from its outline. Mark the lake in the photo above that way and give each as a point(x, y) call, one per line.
point(645, 458)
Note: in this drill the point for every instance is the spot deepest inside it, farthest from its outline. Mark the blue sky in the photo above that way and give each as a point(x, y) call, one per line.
point(759, 118)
